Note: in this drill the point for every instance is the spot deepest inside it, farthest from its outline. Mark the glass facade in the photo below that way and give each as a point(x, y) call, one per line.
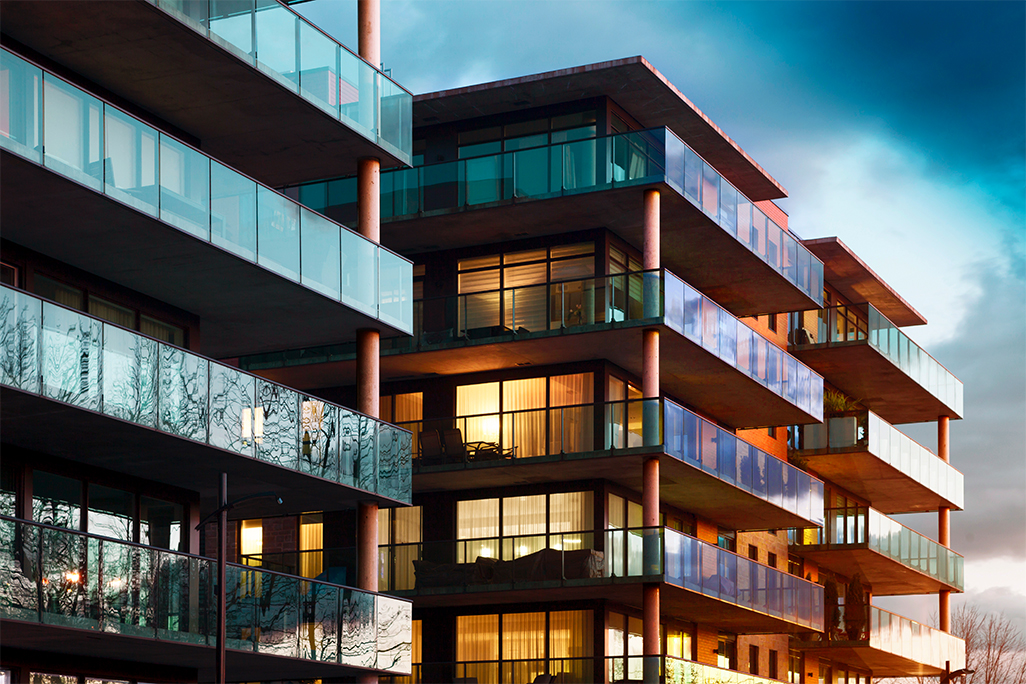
point(590, 165)
point(103, 148)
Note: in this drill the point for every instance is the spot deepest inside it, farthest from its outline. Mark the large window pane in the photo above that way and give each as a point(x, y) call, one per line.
point(111, 512)
point(73, 132)
point(56, 500)
point(184, 187)
point(320, 258)
point(162, 523)
point(21, 107)
point(278, 233)
point(130, 163)
point(233, 210)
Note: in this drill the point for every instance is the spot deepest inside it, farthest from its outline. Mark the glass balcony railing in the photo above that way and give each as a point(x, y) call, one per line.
point(864, 527)
point(580, 670)
point(866, 431)
point(120, 156)
point(842, 325)
point(914, 641)
point(276, 40)
point(572, 557)
point(503, 437)
point(634, 158)
point(896, 635)
point(584, 304)
point(63, 355)
point(63, 577)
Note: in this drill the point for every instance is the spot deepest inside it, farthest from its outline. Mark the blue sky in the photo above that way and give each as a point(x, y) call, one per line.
point(900, 127)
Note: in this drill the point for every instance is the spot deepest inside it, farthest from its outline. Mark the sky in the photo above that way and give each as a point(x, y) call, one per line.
point(899, 127)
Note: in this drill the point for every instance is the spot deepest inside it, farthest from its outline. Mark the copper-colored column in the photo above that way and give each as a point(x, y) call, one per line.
point(368, 360)
point(368, 197)
point(650, 486)
point(944, 523)
point(368, 19)
point(367, 553)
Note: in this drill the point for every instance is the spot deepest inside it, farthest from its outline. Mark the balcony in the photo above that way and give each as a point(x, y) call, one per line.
point(702, 581)
point(878, 463)
point(869, 358)
point(892, 558)
point(711, 234)
point(708, 471)
point(709, 359)
point(611, 669)
point(890, 646)
point(138, 207)
point(244, 77)
point(73, 385)
point(84, 595)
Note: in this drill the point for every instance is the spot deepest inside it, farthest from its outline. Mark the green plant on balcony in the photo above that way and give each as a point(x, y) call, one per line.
point(832, 608)
point(839, 402)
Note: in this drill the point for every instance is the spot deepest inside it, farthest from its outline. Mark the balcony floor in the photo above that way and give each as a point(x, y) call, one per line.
point(236, 112)
point(885, 575)
point(870, 478)
point(680, 484)
point(38, 424)
point(53, 643)
point(693, 246)
point(675, 602)
point(688, 371)
point(244, 308)
point(864, 374)
point(861, 655)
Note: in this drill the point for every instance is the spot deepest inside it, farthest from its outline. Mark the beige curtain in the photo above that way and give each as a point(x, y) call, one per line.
point(523, 405)
point(522, 516)
point(526, 296)
point(311, 539)
point(572, 429)
point(477, 519)
point(523, 638)
point(571, 512)
point(407, 536)
point(475, 400)
point(477, 639)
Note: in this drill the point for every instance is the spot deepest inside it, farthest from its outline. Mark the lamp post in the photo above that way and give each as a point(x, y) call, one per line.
point(222, 564)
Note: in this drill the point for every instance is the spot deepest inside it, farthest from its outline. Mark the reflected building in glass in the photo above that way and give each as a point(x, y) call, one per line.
point(146, 248)
point(577, 406)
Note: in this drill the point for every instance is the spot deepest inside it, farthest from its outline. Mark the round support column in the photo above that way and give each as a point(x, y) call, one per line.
point(651, 412)
point(368, 19)
point(944, 523)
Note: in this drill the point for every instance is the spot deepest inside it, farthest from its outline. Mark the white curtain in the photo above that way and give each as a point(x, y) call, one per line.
point(571, 512)
point(523, 405)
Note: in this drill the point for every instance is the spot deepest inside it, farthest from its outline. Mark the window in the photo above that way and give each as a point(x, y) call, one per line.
point(794, 667)
point(405, 410)
point(794, 565)
point(726, 539)
point(771, 322)
point(511, 291)
point(625, 645)
point(726, 651)
point(679, 643)
point(56, 500)
point(59, 292)
point(109, 311)
point(529, 417)
point(161, 523)
point(753, 552)
point(8, 274)
point(772, 432)
point(111, 513)
point(521, 645)
point(753, 659)
point(517, 526)
point(9, 477)
point(772, 664)
point(251, 541)
point(400, 533)
point(771, 560)
point(311, 544)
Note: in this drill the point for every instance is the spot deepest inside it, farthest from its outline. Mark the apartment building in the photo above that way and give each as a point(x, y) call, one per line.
point(653, 429)
point(144, 249)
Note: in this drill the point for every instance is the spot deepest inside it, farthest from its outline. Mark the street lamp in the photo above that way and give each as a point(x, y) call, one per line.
point(222, 551)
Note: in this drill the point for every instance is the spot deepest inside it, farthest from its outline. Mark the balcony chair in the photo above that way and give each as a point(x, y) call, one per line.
point(455, 449)
point(430, 448)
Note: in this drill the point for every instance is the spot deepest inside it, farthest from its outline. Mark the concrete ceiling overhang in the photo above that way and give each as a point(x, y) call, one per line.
point(159, 659)
point(632, 83)
point(866, 375)
point(244, 308)
point(680, 484)
point(689, 372)
point(858, 283)
point(872, 479)
point(239, 115)
point(37, 424)
point(863, 655)
point(884, 575)
point(676, 602)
